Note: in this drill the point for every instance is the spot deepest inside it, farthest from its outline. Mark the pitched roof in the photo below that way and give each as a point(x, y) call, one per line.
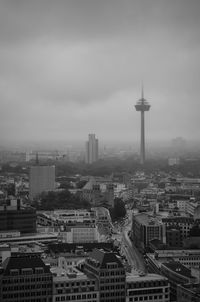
point(104, 257)
point(22, 262)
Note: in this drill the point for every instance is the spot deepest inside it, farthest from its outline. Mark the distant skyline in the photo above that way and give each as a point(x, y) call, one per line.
point(69, 68)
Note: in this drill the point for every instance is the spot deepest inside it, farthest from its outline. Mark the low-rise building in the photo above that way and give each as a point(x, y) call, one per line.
point(25, 278)
point(145, 228)
point(150, 287)
point(177, 274)
point(73, 285)
point(188, 293)
point(108, 269)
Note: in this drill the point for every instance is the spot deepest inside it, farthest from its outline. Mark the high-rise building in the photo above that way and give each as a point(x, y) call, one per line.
point(92, 152)
point(142, 106)
point(41, 179)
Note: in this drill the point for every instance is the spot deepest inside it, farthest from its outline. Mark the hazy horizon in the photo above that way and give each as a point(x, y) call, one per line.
point(69, 68)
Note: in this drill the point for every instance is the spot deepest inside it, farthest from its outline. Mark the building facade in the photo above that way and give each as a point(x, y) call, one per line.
point(92, 149)
point(74, 285)
point(25, 278)
point(14, 216)
point(41, 179)
point(146, 228)
point(150, 287)
point(108, 269)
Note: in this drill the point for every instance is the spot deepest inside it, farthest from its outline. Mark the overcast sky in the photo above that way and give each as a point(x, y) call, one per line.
point(73, 67)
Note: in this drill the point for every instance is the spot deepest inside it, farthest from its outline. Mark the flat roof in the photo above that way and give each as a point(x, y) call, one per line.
point(147, 277)
point(147, 219)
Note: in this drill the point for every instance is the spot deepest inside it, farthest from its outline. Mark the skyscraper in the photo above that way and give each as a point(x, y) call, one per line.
point(142, 106)
point(41, 179)
point(92, 152)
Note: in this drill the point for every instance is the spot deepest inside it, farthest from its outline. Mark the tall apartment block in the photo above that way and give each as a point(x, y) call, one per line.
point(41, 179)
point(92, 152)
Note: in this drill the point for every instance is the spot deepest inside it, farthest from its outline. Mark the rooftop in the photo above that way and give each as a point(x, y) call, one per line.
point(71, 274)
point(178, 268)
point(22, 262)
point(147, 277)
point(147, 219)
point(104, 257)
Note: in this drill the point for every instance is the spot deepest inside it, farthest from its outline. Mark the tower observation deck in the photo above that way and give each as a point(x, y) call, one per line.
point(142, 105)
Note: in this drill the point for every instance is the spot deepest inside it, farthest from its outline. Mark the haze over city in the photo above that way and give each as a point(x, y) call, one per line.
point(69, 68)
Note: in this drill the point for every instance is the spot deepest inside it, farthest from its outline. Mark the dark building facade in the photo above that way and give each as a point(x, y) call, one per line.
point(188, 293)
point(177, 274)
point(18, 218)
point(25, 278)
point(108, 269)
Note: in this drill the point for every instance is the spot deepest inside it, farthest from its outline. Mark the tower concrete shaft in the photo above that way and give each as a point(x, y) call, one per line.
point(142, 106)
point(142, 142)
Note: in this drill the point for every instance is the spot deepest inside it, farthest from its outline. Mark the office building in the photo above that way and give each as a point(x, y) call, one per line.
point(15, 217)
point(80, 233)
point(150, 287)
point(73, 285)
point(108, 269)
point(188, 292)
point(25, 278)
point(183, 224)
point(146, 228)
point(41, 179)
point(177, 274)
point(92, 152)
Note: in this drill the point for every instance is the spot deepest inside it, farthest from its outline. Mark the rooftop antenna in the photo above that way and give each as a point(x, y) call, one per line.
point(142, 91)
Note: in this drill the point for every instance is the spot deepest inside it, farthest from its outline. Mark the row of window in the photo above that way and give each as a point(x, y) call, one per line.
point(147, 298)
point(113, 287)
point(145, 292)
point(36, 300)
point(26, 294)
point(77, 297)
point(83, 283)
point(112, 294)
point(25, 280)
point(112, 273)
point(113, 280)
point(75, 290)
point(26, 287)
point(147, 284)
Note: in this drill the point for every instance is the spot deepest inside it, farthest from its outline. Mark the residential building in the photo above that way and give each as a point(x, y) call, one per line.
point(41, 179)
point(98, 193)
point(92, 152)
